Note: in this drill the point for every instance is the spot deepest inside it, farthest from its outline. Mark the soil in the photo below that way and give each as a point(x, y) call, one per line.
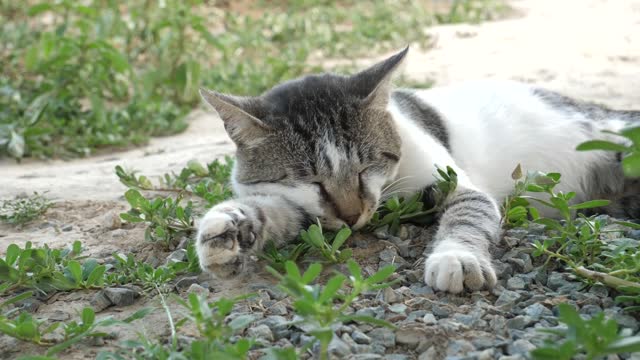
point(589, 49)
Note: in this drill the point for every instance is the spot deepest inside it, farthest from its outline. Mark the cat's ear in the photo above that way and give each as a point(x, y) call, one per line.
point(236, 112)
point(373, 85)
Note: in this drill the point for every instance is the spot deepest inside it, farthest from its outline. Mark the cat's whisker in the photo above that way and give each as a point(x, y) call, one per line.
point(389, 195)
point(396, 182)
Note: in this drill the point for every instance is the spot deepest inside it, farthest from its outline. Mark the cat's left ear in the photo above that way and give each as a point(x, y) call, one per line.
point(373, 85)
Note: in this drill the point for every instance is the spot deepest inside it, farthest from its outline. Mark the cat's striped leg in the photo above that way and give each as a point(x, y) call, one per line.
point(232, 230)
point(460, 255)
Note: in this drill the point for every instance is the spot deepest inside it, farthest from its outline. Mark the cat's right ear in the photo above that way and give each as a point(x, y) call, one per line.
point(373, 85)
point(243, 128)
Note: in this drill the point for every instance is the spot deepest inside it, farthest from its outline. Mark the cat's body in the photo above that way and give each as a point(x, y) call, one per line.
point(331, 148)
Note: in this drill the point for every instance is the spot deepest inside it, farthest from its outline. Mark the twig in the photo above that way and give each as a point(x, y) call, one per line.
point(606, 279)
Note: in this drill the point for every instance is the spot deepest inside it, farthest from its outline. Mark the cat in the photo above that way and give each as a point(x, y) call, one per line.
point(329, 148)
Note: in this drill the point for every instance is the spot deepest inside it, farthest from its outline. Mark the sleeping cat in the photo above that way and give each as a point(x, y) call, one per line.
point(331, 148)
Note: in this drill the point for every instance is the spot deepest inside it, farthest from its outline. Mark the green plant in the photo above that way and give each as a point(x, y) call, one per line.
point(128, 270)
point(166, 220)
point(575, 241)
point(396, 210)
point(75, 332)
point(210, 183)
point(25, 327)
point(101, 74)
point(593, 339)
point(327, 245)
point(22, 210)
point(631, 160)
point(48, 270)
point(472, 11)
point(277, 257)
point(316, 303)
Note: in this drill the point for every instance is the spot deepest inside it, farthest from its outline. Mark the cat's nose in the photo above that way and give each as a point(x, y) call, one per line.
point(352, 219)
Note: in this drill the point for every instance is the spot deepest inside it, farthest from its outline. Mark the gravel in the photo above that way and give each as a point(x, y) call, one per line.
point(503, 323)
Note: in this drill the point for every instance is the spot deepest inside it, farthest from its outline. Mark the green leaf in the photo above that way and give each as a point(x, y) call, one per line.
point(601, 145)
point(590, 204)
point(138, 315)
point(130, 218)
point(631, 165)
point(75, 269)
point(381, 275)
point(88, 317)
point(355, 270)
point(311, 274)
point(27, 329)
point(197, 168)
point(333, 285)
point(550, 223)
point(368, 319)
point(292, 270)
point(625, 345)
point(633, 134)
point(17, 298)
point(39, 8)
point(13, 251)
point(134, 198)
point(96, 276)
point(340, 238)
point(628, 224)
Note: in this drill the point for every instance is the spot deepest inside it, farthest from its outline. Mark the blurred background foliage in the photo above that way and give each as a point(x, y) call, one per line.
point(82, 75)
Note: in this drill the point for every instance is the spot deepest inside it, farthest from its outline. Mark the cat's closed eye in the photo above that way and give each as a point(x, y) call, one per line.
point(391, 156)
point(261, 181)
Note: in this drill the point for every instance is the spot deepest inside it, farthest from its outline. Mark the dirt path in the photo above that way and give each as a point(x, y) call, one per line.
point(585, 48)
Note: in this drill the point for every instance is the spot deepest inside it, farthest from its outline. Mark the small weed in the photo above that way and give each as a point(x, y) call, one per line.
point(215, 334)
point(327, 245)
point(575, 241)
point(412, 209)
point(23, 210)
point(25, 327)
point(631, 160)
point(128, 270)
point(166, 220)
point(316, 304)
point(277, 257)
point(210, 183)
point(592, 339)
point(75, 332)
point(46, 270)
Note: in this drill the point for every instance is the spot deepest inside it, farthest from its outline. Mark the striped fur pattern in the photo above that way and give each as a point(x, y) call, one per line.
point(332, 148)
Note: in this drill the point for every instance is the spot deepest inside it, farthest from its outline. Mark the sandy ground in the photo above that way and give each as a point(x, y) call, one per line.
point(589, 49)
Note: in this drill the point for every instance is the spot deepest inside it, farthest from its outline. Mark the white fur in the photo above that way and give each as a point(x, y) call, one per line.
point(215, 223)
point(494, 125)
point(335, 156)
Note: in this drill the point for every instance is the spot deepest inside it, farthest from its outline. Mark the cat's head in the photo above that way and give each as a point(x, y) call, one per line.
point(326, 142)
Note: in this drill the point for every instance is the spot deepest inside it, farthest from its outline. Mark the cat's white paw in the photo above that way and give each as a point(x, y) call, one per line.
point(222, 236)
point(453, 269)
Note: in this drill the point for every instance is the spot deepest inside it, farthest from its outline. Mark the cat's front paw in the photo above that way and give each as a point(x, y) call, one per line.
point(454, 268)
point(224, 236)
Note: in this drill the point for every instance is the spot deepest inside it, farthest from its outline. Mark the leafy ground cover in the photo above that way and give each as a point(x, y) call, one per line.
point(80, 76)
